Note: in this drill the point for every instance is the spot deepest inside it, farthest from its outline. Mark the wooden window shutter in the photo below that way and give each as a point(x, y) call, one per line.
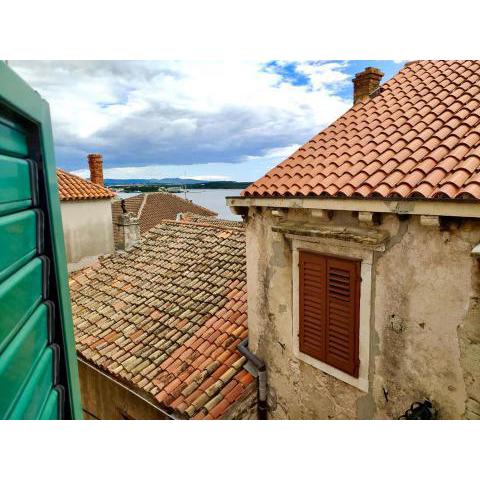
point(329, 310)
point(313, 322)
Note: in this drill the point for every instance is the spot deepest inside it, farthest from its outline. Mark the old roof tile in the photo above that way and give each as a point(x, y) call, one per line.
point(428, 111)
point(181, 269)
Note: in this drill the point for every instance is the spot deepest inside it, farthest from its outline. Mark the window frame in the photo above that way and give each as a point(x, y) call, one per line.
point(345, 251)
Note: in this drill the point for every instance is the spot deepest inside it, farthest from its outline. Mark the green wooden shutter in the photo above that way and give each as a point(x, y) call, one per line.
point(38, 371)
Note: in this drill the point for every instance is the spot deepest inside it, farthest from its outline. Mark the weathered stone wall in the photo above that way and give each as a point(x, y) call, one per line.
point(105, 399)
point(424, 321)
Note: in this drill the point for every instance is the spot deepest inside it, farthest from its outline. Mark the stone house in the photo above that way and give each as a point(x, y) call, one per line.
point(153, 207)
point(86, 214)
point(362, 270)
point(147, 210)
point(157, 326)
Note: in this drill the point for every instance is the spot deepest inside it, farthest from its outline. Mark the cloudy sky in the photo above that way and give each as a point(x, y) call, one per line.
point(208, 120)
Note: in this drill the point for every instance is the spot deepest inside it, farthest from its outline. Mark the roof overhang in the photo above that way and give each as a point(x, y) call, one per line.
point(446, 208)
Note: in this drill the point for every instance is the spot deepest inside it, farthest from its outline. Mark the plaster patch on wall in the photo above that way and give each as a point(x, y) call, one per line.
point(469, 340)
point(423, 287)
point(280, 255)
point(366, 407)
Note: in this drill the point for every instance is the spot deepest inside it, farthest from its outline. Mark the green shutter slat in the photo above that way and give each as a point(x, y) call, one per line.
point(20, 294)
point(14, 206)
point(19, 358)
point(12, 141)
point(18, 241)
point(15, 185)
point(50, 410)
point(37, 389)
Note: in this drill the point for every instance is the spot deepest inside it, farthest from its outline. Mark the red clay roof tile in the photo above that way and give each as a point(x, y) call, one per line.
point(72, 187)
point(426, 116)
point(152, 208)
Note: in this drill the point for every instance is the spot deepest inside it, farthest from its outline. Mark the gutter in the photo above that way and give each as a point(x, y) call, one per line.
point(258, 369)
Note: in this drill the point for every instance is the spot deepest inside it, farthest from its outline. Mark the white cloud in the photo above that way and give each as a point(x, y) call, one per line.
point(249, 168)
point(153, 114)
point(325, 76)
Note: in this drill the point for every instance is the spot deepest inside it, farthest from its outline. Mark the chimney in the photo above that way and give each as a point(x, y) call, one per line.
point(126, 229)
point(95, 163)
point(365, 83)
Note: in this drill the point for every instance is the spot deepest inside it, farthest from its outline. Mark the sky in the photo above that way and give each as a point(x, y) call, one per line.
point(225, 120)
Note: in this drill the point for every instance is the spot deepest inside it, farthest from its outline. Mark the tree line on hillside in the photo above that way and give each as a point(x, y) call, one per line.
point(223, 184)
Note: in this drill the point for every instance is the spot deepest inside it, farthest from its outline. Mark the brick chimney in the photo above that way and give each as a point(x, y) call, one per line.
point(95, 164)
point(365, 83)
point(126, 229)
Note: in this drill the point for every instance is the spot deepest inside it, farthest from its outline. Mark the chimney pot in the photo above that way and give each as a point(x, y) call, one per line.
point(365, 83)
point(95, 164)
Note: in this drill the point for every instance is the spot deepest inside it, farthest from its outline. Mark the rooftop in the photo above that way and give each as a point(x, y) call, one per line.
point(152, 208)
point(417, 136)
point(72, 187)
point(221, 222)
point(165, 318)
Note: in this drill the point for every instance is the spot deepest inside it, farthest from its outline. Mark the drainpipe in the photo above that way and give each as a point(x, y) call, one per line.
point(257, 368)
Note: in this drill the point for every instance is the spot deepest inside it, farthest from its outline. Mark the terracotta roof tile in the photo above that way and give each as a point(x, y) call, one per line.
point(172, 334)
point(212, 220)
point(418, 137)
point(154, 207)
point(71, 187)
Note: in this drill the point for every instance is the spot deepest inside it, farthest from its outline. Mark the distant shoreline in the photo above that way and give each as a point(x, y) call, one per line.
point(178, 187)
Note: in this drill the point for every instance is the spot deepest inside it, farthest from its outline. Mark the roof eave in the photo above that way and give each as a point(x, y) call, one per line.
point(440, 207)
point(88, 199)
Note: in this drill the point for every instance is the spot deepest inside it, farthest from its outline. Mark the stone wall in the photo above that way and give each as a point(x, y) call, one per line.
point(424, 320)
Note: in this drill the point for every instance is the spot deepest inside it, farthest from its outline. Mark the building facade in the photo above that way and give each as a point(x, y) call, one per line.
point(419, 316)
point(86, 215)
point(362, 270)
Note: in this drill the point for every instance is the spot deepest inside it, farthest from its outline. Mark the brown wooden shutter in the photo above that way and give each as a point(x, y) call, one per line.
point(312, 305)
point(343, 293)
point(329, 310)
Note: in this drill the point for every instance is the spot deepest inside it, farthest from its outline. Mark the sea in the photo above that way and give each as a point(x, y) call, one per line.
point(213, 199)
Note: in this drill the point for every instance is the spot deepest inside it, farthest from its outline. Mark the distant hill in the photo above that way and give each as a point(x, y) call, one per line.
point(150, 184)
point(225, 184)
point(151, 181)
